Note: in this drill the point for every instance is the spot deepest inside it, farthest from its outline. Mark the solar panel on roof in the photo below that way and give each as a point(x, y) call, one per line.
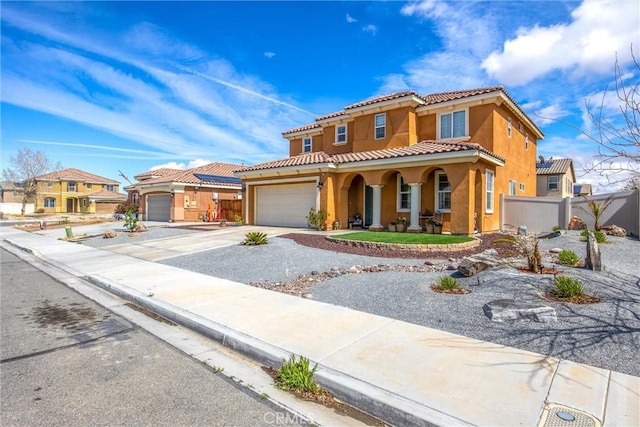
point(544, 165)
point(218, 178)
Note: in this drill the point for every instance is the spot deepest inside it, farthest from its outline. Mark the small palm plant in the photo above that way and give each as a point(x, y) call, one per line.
point(596, 209)
point(530, 248)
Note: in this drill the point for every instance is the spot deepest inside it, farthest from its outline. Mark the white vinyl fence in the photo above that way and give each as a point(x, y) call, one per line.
point(541, 214)
point(16, 208)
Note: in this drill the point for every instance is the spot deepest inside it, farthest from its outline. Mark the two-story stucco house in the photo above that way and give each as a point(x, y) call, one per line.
point(555, 177)
point(76, 191)
point(401, 154)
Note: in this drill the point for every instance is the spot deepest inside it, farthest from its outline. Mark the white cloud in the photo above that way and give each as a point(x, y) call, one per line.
point(269, 54)
point(583, 46)
point(351, 19)
point(169, 165)
point(371, 29)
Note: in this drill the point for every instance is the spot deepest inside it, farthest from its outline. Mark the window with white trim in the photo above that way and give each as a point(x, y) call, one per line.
point(72, 187)
point(380, 126)
point(520, 127)
point(111, 187)
point(443, 192)
point(489, 191)
point(85, 203)
point(512, 187)
point(522, 186)
point(306, 145)
point(49, 202)
point(88, 186)
point(509, 126)
point(341, 134)
point(453, 125)
point(404, 195)
point(552, 183)
point(526, 141)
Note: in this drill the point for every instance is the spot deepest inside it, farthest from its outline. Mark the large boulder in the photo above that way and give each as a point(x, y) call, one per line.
point(507, 310)
point(593, 260)
point(614, 230)
point(576, 223)
point(109, 234)
point(472, 265)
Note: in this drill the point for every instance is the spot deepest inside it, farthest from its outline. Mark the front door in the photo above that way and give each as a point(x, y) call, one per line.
point(368, 206)
point(71, 205)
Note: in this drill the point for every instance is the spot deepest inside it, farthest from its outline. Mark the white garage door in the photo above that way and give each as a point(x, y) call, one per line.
point(285, 205)
point(158, 208)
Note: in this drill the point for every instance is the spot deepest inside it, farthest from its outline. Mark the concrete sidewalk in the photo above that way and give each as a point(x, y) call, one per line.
point(403, 373)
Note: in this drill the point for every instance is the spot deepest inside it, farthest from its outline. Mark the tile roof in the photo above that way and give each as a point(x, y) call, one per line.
point(553, 166)
point(422, 148)
point(106, 195)
point(430, 99)
point(187, 176)
point(156, 173)
point(72, 174)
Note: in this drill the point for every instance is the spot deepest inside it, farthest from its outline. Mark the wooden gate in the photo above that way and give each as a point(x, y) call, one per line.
point(230, 208)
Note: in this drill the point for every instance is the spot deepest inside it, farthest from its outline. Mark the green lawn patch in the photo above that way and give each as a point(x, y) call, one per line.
point(404, 238)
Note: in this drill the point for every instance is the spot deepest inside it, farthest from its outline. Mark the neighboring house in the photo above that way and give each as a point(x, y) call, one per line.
point(555, 177)
point(401, 155)
point(187, 195)
point(582, 190)
point(76, 191)
point(11, 192)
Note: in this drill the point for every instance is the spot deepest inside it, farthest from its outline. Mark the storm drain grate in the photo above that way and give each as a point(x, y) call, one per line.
point(561, 416)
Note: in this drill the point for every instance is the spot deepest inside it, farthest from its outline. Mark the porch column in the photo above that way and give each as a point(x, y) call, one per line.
point(377, 204)
point(415, 226)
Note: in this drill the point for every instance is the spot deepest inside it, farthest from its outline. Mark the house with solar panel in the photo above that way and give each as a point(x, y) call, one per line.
point(555, 177)
point(205, 193)
point(447, 156)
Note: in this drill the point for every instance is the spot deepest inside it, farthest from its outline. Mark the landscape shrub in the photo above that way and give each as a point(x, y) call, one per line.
point(568, 257)
point(317, 219)
point(297, 375)
point(599, 235)
point(567, 287)
point(255, 238)
point(447, 282)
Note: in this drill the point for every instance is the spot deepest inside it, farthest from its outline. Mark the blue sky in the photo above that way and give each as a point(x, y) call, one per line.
point(130, 86)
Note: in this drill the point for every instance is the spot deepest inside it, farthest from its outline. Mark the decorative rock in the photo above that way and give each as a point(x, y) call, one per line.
point(555, 250)
point(315, 272)
point(614, 230)
point(593, 260)
point(307, 296)
point(507, 309)
point(109, 234)
point(141, 227)
point(576, 223)
point(522, 230)
point(472, 265)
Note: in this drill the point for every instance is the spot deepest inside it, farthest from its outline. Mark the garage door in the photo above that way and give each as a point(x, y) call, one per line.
point(158, 208)
point(285, 205)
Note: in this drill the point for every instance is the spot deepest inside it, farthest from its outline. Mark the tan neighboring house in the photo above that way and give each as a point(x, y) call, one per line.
point(76, 191)
point(10, 192)
point(401, 155)
point(555, 177)
point(582, 189)
point(210, 192)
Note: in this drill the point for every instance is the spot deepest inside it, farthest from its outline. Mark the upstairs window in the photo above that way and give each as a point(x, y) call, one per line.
point(489, 191)
point(526, 141)
point(443, 192)
point(72, 187)
point(341, 134)
point(88, 186)
point(404, 195)
point(512, 187)
point(49, 202)
point(552, 183)
point(111, 187)
point(522, 186)
point(453, 125)
point(306, 145)
point(509, 127)
point(380, 126)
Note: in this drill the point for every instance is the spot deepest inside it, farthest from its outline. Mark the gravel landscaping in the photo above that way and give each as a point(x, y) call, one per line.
point(605, 334)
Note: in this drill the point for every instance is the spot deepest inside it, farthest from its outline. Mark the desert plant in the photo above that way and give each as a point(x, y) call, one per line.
point(122, 208)
point(447, 282)
point(556, 228)
point(297, 375)
point(599, 235)
point(568, 257)
point(131, 220)
point(567, 287)
point(530, 248)
point(596, 209)
point(238, 219)
point(317, 219)
point(255, 238)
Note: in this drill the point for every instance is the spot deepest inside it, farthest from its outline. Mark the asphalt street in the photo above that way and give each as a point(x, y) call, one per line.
point(68, 361)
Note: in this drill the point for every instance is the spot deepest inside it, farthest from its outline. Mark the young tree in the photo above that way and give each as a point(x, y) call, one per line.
point(25, 167)
point(618, 135)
